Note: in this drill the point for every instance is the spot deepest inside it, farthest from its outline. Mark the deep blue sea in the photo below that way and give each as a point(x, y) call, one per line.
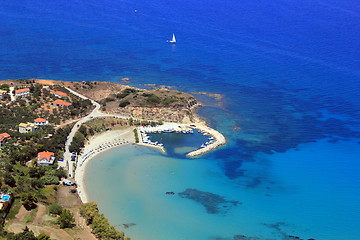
point(290, 75)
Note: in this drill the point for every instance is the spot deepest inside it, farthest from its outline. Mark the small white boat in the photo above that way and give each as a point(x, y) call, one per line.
point(173, 40)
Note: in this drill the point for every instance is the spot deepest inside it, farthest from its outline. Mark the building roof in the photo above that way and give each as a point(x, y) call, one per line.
point(40, 120)
point(46, 155)
point(2, 91)
point(61, 102)
point(62, 94)
point(4, 136)
point(25, 124)
point(22, 90)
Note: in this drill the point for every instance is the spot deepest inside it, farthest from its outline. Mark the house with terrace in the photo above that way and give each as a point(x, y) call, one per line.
point(58, 94)
point(61, 103)
point(3, 138)
point(41, 122)
point(45, 158)
point(24, 92)
point(27, 127)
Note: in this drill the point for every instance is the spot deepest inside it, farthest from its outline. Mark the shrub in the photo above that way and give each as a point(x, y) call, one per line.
point(29, 199)
point(55, 209)
point(66, 219)
point(124, 103)
point(153, 99)
point(49, 179)
point(43, 236)
point(168, 101)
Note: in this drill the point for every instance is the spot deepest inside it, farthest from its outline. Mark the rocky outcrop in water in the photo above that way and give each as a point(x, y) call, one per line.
point(213, 203)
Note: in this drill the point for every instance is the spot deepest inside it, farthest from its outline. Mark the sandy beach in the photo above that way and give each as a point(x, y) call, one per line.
point(106, 140)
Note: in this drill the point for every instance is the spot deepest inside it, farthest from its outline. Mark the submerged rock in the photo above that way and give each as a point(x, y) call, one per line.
point(212, 202)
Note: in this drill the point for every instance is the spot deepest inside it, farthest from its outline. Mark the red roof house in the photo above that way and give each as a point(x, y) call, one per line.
point(40, 121)
point(59, 93)
point(24, 92)
point(46, 158)
point(61, 103)
point(3, 138)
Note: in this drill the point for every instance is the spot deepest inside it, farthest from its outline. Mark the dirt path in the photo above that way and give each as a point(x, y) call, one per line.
point(81, 222)
point(53, 232)
point(40, 213)
point(21, 214)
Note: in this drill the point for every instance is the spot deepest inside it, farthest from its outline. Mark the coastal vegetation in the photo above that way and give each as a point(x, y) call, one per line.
point(99, 224)
point(99, 125)
point(136, 135)
point(149, 98)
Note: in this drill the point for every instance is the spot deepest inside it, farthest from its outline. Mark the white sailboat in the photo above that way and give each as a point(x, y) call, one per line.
point(173, 40)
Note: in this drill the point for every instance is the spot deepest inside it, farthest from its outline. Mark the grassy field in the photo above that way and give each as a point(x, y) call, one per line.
point(14, 209)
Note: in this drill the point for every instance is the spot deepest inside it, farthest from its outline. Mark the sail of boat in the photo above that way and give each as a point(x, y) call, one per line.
point(173, 40)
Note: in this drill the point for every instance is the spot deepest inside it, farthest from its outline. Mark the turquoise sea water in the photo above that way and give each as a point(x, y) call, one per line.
point(289, 73)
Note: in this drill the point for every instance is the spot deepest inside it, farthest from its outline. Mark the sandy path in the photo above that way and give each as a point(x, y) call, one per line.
point(21, 214)
point(39, 214)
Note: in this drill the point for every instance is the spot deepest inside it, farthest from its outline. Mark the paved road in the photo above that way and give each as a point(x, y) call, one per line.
point(11, 89)
point(95, 113)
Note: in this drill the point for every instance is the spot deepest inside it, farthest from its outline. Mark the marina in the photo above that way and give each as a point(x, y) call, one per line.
point(214, 140)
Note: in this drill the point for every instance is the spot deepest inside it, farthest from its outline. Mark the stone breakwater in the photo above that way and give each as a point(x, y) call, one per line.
point(219, 140)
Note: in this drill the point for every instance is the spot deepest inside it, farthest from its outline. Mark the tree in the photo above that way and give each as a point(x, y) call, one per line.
point(29, 199)
point(83, 130)
point(50, 179)
point(66, 219)
point(9, 167)
point(55, 209)
point(36, 183)
point(43, 236)
point(37, 172)
point(77, 142)
point(88, 211)
point(25, 235)
point(5, 87)
point(100, 226)
point(9, 180)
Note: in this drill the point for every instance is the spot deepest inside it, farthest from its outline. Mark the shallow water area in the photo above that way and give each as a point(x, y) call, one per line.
point(137, 179)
